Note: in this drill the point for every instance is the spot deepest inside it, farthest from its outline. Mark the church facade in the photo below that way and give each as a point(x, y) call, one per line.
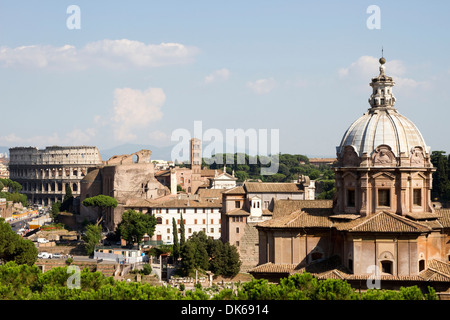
point(381, 222)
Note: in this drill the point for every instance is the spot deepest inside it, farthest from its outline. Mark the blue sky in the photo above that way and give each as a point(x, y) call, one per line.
point(138, 70)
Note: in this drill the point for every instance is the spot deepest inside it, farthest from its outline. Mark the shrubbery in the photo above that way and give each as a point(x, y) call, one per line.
point(28, 282)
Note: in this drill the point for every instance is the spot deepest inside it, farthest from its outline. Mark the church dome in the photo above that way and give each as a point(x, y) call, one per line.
point(382, 124)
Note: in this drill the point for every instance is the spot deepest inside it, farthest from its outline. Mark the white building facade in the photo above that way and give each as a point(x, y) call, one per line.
point(197, 215)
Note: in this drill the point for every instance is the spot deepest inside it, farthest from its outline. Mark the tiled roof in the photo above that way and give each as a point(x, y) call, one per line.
point(210, 193)
point(273, 268)
point(237, 212)
point(298, 219)
point(345, 216)
point(175, 203)
point(444, 218)
point(422, 215)
point(440, 266)
point(284, 206)
point(162, 173)
point(236, 190)
point(383, 221)
point(268, 187)
point(210, 172)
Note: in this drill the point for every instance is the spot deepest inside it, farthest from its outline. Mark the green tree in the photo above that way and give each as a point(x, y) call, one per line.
point(102, 202)
point(67, 203)
point(55, 209)
point(135, 225)
point(241, 175)
point(92, 236)
point(176, 244)
point(25, 252)
point(333, 289)
point(441, 182)
point(14, 248)
point(194, 254)
point(8, 240)
point(182, 232)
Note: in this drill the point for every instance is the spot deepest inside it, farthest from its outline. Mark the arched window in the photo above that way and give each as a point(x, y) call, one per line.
point(386, 266)
point(350, 264)
point(158, 220)
point(421, 265)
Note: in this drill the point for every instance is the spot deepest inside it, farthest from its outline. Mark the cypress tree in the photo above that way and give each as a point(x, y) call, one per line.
point(176, 244)
point(182, 236)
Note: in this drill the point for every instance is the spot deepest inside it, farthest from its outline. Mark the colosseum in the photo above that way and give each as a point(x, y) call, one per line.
point(45, 174)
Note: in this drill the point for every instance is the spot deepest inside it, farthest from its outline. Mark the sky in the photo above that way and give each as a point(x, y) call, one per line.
point(113, 72)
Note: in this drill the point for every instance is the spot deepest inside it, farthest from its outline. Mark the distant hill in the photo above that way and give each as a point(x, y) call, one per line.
point(158, 153)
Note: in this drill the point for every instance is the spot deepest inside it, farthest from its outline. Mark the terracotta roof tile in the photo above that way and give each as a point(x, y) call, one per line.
point(440, 266)
point(210, 193)
point(236, 190)
point(273, 268)
point(383, 221)
point(237, 212)
point(175, 203)
point(444, 218)
point(268, 187)
point(284, 206)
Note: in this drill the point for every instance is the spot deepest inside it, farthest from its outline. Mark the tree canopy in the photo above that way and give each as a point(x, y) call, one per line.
point(135, 225)
point(202, 253)
point(441, 177)
point(101, 201)
point(25, 282)
point(14, 248)
point(92, 236)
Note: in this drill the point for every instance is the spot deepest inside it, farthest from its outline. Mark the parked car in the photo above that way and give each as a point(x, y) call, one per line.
point(56, 256)
point(42, 240)
point(44, 255)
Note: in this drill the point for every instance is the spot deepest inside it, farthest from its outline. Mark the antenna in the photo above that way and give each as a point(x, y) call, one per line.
point(382, 54)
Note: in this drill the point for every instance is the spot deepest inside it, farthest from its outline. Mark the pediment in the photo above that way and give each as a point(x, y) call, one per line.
point(350, 175)
point(419, 175)
point(387, 175)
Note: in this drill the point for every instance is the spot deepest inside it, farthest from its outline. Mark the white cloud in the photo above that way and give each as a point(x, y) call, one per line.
point(113, 54)
point(74, 137)
point(262, 86)
point(367, 67)
point(218, 75)
point(134, 109)
point(158, 137)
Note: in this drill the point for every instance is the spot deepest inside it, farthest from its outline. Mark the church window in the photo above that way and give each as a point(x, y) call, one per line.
point(417, 197)
point(384, 198)
point(350, 198)
point(386, 267)
point(421, 265)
